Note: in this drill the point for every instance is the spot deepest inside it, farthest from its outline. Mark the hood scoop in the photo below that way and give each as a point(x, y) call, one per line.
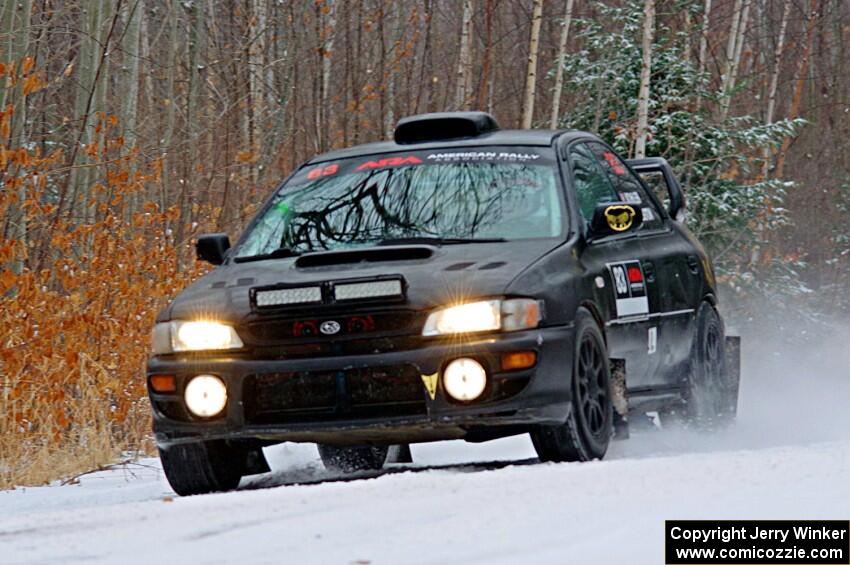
point(372, 255)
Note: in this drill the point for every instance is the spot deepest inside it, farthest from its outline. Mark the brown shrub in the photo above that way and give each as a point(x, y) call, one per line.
point(77, 303)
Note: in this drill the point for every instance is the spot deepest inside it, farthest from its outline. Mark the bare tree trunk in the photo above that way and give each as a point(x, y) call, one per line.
point(130, 47)
point(645, 73)
point(703, 45)
point(329, 34)
point(774, 79)
point(197, 44)
point(799, 82)
point(279, 86)
point(531, 70)
point(559, 71)
point(731, 42)
point(7, 26)
point(487, 62)
point(734, 48)
point(464, 62)
point(18, 212)
point(86, 102)
point(382, 64)
point(173, 17)
point(256, 74)
point(397, 17)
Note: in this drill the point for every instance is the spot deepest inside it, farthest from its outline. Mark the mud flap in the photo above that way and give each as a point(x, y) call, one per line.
point(400, 454)
point(255, 462)
point(620, 398)
point(733, 370)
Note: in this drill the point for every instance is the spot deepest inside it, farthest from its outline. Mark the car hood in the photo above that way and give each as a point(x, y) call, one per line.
point(451, 273)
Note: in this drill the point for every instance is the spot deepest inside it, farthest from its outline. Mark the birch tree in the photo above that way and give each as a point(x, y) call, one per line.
point(734, 48)
point(774, 81)
point(531, 69)
point(326, 50)
point(131, 51)
point(703, 44)
point(464, 61)
point(645, 73)
point(559, 69)
point(256, 75)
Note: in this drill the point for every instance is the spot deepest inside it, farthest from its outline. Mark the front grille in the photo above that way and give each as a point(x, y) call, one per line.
point(317, 396)
point(307, 328)
point(369, 346)
point(358, 333)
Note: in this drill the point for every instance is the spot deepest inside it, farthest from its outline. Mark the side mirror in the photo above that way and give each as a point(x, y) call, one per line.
point(657, 166)
point(612, 218)
point(212, 247)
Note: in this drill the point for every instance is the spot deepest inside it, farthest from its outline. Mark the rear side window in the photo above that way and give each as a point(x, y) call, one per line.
point(590, 181)
point(628, 187)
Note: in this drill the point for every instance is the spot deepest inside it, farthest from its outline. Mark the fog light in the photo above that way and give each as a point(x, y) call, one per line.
point(464, 379)
point(206, 396)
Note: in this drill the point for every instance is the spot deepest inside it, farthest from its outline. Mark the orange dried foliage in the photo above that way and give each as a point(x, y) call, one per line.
point(74, 335)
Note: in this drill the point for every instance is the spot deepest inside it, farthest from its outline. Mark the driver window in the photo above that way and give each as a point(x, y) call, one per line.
point(591, 184)
point(629, 189)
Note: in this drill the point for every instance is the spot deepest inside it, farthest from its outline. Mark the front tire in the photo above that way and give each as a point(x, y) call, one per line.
point(353, 459)
point(588, 429)
point(203, 467)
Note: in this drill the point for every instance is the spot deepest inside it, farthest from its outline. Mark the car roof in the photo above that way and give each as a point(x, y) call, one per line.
point(527, 137)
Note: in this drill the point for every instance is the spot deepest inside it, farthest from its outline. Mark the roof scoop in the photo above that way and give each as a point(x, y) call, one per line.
point(443, 125)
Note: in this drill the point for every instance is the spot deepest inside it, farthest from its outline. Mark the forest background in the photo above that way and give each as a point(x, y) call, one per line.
point(128, 127)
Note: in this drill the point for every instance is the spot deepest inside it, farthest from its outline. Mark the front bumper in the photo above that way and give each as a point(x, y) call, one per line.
point(537, 395)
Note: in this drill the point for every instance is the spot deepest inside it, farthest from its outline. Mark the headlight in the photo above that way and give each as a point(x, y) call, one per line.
point(197, 335)
point(487, 315)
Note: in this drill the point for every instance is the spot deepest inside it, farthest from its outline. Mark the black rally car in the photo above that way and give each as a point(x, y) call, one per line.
point(459, 282)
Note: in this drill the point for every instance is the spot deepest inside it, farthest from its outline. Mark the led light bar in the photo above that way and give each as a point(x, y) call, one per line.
point(372, 289)
point(288, 296)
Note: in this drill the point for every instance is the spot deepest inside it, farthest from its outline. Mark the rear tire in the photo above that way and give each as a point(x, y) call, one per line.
point(710, 399)
point(589, 427)
point(203, 467)
point(353, 459)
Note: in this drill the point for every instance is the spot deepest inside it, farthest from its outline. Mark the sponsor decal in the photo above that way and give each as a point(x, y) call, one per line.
point(615, 163)
point(631, 197)
point(320, 172)
point(430, 382)
point(629, 288)
point(620, 217)
point(389, 162)
point(648, 216)
point(460, 156)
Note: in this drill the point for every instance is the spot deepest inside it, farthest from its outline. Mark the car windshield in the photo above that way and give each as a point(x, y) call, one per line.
point(447, 197)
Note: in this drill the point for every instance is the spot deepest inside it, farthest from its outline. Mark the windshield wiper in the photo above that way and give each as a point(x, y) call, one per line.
point(279, 253)
point(439, 240)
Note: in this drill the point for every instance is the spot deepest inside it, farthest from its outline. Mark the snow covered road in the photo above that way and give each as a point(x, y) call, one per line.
point(603, 512)
point(789, 457)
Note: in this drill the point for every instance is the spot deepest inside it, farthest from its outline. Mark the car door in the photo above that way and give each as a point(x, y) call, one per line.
point(617, 268)
point(646, 302)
